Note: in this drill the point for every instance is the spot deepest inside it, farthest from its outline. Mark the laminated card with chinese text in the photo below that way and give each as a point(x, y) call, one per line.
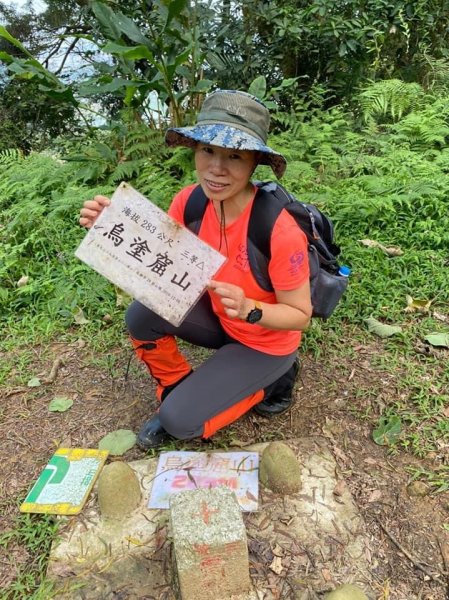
point(179, 471)
point(146, 253)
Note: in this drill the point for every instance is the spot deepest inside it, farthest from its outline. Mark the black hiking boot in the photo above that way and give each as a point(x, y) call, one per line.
point(279, 395)
point(152, 434)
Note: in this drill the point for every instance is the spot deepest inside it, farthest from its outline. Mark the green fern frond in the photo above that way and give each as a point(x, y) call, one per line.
point(390, 98)
point(141, 141)
point(125, 171)
point(10, 156)
point(436, 72)
point(66, 203)
point(422, 130)
point(157, 186)
point(140, 149)
point(441, 161)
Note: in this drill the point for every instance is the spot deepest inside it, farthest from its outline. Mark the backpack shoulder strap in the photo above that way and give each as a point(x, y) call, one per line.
point(266, 208)
point(269, 201)
point(194, 209)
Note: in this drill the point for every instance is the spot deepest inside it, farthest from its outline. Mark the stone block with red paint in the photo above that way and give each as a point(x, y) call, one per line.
point(210, 545)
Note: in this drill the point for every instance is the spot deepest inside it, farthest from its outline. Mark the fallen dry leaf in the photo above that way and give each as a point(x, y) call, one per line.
point(389, 250)
point(375, 496)
point(414, 305)
point(393, 251)
point(440, 317)
point(278, 551)
point(276, 566)
point(339, 454)
point(264, 523)
point(22, 281)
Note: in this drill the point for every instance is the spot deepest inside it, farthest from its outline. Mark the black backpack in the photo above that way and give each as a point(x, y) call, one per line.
point(326, 284)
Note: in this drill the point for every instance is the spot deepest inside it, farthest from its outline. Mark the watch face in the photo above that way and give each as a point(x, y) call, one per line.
point(254, 315)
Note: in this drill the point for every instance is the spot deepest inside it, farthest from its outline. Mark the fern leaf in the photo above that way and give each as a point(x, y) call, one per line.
point(10, 156)
point(390, 98)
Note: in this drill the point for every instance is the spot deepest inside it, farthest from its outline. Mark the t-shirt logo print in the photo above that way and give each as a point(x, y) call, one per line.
point(296, 260)
point(241, 261)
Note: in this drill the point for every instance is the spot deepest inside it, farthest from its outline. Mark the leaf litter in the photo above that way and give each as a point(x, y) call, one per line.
point(366, 467)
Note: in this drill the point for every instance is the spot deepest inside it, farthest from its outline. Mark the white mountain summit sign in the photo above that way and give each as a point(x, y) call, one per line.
point(149, 255)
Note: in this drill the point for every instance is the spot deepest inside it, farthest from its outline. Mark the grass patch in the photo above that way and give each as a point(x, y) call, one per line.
point(437, 479)
point(28, 544)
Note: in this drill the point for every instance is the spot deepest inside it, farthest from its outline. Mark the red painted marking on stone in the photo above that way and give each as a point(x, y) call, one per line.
point(206, 513)
point(202, 549)
point(211, 566)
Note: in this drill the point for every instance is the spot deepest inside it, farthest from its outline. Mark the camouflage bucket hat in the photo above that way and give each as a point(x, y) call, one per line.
point(231, 119)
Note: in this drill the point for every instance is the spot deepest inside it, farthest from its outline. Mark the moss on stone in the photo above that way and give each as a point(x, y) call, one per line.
point(279, 469)
point(118, 491)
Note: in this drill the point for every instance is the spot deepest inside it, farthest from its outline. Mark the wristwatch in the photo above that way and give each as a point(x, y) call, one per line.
point(254, 314)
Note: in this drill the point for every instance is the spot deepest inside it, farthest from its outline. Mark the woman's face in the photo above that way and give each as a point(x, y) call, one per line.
point(222, 173)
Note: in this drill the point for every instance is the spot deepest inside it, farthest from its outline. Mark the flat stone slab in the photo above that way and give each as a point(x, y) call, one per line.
point(314, 539)
point(107, 557)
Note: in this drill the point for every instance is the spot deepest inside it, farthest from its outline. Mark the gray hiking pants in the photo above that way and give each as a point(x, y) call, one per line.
point(231, 374)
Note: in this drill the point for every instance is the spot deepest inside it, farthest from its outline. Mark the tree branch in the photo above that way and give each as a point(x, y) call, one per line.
point(53, 52)
point(434, 576)
point(66, 55)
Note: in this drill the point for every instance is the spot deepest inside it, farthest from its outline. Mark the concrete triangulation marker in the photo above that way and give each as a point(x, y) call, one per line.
point(210, 545)
point(312, 539)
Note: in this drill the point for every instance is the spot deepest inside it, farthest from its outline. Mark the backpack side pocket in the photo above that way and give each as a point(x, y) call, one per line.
point(327, 289)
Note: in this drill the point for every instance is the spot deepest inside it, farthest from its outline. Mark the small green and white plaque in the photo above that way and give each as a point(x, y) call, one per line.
point(64, 485)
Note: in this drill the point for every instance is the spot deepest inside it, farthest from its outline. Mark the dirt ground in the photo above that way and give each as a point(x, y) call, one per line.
point(409, 533)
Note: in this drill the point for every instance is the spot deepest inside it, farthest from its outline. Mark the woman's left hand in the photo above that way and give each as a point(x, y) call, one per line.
point(232, 297)
point(291, 311)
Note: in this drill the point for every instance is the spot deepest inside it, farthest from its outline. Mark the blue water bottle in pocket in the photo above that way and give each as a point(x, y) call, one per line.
point(344, 271)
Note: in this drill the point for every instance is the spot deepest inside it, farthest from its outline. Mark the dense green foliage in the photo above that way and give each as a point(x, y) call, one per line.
point(159, 58)
point(385, 178)
point(340, 44)
point(30, 120)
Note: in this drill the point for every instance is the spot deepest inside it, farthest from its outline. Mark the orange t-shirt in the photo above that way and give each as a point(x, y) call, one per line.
point(288, 270)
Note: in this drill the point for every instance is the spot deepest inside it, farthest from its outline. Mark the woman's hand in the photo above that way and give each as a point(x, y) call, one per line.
point(92, 209)
point(292, 311)
point(236, 305)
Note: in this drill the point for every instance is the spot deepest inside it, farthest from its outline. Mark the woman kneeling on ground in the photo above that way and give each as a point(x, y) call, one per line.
point(255, 333)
